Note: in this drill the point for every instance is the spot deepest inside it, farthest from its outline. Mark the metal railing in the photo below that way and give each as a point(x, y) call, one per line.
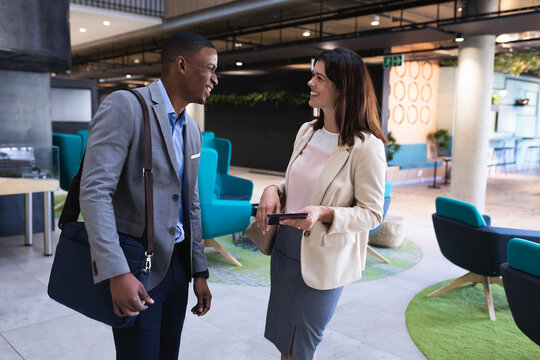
point(141, 7)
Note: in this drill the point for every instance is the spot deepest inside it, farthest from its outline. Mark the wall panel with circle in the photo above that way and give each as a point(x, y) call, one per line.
point(413, 101)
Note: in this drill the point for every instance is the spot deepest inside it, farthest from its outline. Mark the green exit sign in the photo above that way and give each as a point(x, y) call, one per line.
point(393, 60)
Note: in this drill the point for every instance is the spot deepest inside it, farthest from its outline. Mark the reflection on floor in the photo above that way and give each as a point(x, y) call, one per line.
point(369, 322)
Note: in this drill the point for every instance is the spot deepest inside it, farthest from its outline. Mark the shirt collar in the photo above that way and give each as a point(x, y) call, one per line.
point(173, 116)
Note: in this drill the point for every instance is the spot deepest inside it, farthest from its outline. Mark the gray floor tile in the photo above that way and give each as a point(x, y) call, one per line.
point(7, 352)
point(67, 338)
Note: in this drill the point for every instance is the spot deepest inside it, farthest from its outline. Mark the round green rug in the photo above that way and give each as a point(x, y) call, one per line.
point(255, 269)
point(456, 325)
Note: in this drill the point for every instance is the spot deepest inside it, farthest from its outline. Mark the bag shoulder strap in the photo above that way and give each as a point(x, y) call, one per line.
point(72, 209)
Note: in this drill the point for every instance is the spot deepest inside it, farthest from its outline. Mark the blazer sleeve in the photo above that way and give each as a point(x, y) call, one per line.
point(109, 139)
point(369, 169)
point(200, 264)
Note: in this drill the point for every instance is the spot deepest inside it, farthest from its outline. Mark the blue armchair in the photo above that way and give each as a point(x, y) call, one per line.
point(227, 187)
point(466, 239)
point(387, 199)
point(521, 276)
point(69, 152)
point(219, 216)
point(84, 137)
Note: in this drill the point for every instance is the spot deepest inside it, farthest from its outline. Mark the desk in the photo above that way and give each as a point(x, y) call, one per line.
point(436, 163)
point(500, 145)
point(14, 186)
point(446, 161)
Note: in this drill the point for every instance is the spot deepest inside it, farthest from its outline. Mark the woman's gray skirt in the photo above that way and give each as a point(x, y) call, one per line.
point(295, 309)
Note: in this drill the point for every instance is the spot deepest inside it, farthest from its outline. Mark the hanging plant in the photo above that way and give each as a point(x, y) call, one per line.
point(276, 98)
point(518, 62)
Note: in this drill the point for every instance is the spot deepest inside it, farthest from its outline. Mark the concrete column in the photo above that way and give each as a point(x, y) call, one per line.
point(26, 108)
point(196, 111)
point(472, 118)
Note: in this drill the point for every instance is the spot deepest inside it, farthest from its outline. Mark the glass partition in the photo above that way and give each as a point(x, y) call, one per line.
point(29, 162)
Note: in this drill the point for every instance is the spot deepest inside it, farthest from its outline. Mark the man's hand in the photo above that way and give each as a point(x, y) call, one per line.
point(128, 295)
point(204, 297)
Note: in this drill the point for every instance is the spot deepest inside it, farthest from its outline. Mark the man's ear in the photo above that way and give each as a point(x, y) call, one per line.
point(181, 64)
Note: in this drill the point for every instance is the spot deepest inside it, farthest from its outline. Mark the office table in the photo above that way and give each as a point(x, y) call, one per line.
point(14, 186)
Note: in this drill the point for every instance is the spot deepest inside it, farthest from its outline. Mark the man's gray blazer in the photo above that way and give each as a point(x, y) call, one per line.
point(112, 187)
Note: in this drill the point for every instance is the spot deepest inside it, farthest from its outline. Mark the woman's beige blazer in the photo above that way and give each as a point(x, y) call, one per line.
point(351, 185)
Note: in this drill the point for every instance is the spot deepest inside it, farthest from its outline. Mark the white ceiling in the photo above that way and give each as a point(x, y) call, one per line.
point(92, 19)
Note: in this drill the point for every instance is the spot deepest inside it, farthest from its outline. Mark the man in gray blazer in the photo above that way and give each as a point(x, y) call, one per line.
point(112, 199)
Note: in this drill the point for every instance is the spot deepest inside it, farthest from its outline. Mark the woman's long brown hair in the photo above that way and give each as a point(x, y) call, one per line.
point(356, 106)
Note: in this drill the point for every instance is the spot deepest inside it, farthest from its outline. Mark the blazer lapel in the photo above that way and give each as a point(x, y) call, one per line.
point(335, 162)
point(163, 121)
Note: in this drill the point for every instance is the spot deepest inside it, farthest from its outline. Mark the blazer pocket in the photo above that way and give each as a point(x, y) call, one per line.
point(341, 239)
point(195, 156)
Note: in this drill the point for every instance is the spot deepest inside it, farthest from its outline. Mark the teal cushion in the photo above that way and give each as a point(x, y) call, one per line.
point(387, 189)
point(524, 255)
point(410, 153)
point(208, 135)
point(84, 137)
point(69, 153)
point(419, 164)
point(459, 210)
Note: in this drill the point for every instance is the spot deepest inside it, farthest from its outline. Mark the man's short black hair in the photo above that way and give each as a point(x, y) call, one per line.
point(185, 44)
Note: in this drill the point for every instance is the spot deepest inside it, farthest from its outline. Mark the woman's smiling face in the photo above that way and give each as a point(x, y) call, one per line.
point(323, 93)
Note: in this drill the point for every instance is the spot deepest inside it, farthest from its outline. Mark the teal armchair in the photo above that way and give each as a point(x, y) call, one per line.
point(467, 239)
point(387, 199)
point(84, 137)
point(69, 152)
point(219, 216)
point(521, 277)
point(227, 187)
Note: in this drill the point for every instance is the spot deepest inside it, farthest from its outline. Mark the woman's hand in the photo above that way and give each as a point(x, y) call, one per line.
point(315, 213)
point(269, 204)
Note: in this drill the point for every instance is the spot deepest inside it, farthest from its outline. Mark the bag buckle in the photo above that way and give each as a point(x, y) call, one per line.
point(145, 170)
point(148, 262)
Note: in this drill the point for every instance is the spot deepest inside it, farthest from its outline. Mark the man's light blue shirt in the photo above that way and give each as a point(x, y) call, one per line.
point(177, 123)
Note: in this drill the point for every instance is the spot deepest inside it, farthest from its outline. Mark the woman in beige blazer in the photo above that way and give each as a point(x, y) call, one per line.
point(336, 174)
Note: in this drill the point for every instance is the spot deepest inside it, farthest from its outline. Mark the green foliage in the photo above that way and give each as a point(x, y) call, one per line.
point(251, 99)
point(495, 98)
point(514, 63)
point(441, 138)
point(393, 146)
point(448, 62)
point(518, 62)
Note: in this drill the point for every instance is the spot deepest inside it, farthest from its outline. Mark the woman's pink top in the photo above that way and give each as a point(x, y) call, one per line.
point(307, 167)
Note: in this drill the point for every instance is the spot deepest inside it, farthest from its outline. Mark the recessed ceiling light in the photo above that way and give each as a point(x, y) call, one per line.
point(106, 23)
point(459, 38)
point(306, 33)
point(238, 44)
point(128, 76)
point(239, 63)
point(83, 30)
point(136, 61)
point(375, 21)
point(503, 38)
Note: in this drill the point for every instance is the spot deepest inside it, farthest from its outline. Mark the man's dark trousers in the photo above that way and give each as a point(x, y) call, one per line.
point(156, 332)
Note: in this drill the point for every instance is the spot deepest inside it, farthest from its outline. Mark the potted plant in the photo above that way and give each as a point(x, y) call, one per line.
point(439, 141)
point(393, 147)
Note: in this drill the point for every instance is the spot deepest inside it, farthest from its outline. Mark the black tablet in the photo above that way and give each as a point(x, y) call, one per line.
point(273, 219)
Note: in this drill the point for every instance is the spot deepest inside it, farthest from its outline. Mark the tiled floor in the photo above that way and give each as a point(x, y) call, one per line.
point(369, 322)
